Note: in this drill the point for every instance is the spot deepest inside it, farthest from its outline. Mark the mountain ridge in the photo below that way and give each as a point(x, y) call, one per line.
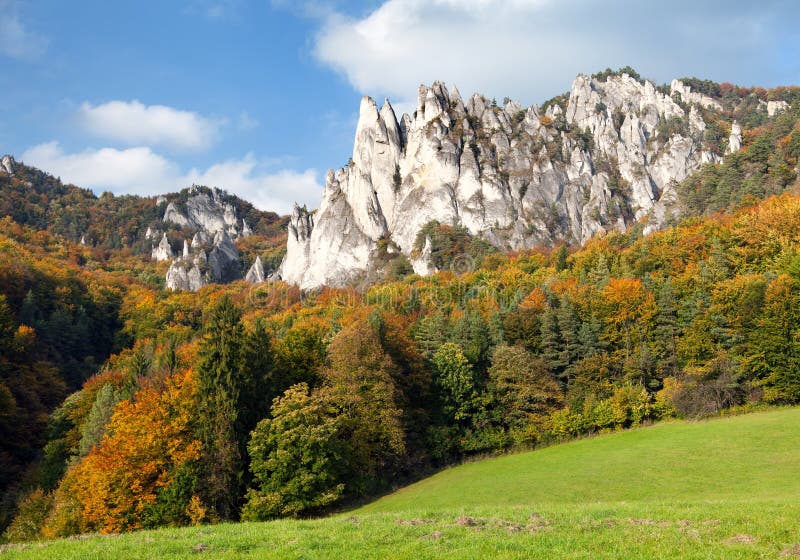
point(607, 155)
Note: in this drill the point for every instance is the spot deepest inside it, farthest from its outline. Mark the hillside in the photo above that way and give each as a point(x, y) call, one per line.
point(127, 406)
point(723, 488)
point(36, 199)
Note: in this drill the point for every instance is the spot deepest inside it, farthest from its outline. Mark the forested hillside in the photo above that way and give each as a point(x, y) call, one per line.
point(107, 222)
point(261, 401)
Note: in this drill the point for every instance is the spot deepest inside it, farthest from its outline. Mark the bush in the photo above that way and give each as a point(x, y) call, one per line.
point(33, 510)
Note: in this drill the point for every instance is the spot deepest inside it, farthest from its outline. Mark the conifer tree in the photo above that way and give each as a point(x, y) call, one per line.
point(219, 391)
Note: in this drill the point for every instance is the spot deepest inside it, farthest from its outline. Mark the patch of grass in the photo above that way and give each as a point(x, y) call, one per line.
point(726, 488)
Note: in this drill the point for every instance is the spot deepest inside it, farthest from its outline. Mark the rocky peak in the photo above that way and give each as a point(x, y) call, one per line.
point(7, 164)
point(689, 97)
point(597, 160)
point(255, 275)
point(205, 210)
point(163, 251)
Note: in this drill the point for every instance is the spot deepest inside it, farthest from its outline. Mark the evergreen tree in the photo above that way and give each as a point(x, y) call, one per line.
point(568, 326)
point(589, 339)
point(522, 392)
point(551, 343)
point(219, 392)
point(472, 335)
point(666, 331)
point(430, 333)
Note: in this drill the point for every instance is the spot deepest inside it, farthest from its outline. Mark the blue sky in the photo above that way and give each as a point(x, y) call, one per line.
point(260, 97)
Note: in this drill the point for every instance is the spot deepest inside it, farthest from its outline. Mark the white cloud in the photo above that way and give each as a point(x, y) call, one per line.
point(141, 171)
point(134, 170)
point(133, 123)
point(15, 39)
point(532, 49)
point(255, 182)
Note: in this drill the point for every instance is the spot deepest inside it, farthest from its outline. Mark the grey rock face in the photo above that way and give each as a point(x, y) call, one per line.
point(198, 267)
point(204, 212)
point(256, 273)
point(7, 164)
point(688, 96)
point(163, 251)
point(188, 273)
point(518, 177)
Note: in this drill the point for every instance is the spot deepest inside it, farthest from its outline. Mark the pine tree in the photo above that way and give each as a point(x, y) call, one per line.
point(219, 391)
point(430, 333)
point(568, 326)
point(666, 331)
point(551, 343)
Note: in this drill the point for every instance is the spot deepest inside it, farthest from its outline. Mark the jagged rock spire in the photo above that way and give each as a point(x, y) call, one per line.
point(508, 174)
point(163, 251)
point(256, 273)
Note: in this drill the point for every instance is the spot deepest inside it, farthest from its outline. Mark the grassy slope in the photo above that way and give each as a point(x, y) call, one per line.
point(726, 488)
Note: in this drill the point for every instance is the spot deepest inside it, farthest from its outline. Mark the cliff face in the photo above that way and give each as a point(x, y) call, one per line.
point(605, 156)
point(211, 256)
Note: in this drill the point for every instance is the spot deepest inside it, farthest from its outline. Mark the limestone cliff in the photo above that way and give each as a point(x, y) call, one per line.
point(201, 265)
point(600, 158)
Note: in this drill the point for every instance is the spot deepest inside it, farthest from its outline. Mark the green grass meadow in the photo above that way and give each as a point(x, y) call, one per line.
point(725, 488)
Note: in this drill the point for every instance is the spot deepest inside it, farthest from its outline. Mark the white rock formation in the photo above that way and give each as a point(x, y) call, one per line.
point(83, 240)
point(7, 164)
point(256, 273)
point(735, 139)
point(198, 267)
point(205, 212)
point(163, 251)
point(775, 107)
point(200, 239)
point(246, 231)
point(187, 274)
point(688, 96)
point(516, 177)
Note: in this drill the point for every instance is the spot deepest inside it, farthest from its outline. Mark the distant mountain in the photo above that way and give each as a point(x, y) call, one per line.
point(608, 154)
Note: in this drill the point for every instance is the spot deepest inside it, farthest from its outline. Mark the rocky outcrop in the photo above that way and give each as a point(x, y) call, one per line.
point(608, 154)
point(188, 273)
point(211, 256)
point(200, 266)
point(688, 96)
point(7, 164)
point(776, 107)
point(163, 251)
point(255, 275)
point(205, 210)
point(735, 139)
